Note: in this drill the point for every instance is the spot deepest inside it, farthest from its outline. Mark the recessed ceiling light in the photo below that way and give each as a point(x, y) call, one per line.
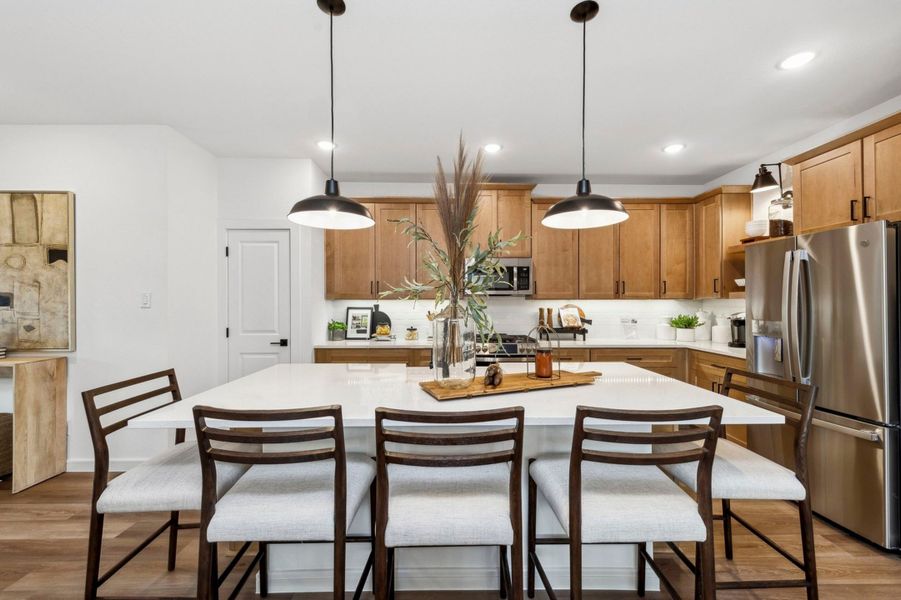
point(492, 148)
point(674, 148)
point(325, 145)
point(796, 61)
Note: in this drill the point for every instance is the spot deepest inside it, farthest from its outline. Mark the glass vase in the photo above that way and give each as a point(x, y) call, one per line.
point(454, 352)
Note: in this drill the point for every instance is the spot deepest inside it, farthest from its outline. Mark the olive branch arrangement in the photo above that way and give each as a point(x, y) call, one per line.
point(459, 274)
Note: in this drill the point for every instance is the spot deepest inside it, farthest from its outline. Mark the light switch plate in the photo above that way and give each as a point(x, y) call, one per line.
point(146, 299)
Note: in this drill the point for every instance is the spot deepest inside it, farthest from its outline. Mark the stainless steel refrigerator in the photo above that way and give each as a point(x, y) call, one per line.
point(823, 308)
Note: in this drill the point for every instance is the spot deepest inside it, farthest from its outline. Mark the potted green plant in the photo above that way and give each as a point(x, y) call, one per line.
point(336, 330)
point(685, 326)
point(460, 271)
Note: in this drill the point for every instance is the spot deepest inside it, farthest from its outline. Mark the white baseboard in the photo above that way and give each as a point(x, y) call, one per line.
point(450, 578)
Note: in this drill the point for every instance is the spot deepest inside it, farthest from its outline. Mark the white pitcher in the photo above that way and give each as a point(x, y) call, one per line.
point(702, 332)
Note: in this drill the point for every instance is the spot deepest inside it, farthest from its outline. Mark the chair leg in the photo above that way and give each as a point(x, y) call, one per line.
point(264, 569)
point(380, 571)
point(698, 571)
point(727, 527)
point(706, 567)
point(173, 539)
point(339, 564)
point(502, 578)
point(575, 566)
point(810, 562)
point(532, 534)
point(516, 569)
point(642, 566)
point(95, 543)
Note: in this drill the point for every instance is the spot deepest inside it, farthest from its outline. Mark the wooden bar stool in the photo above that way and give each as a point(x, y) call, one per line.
point(307, 495)
point(740, 474)
point(451, 499)
point(608, 497)
point(170, 482)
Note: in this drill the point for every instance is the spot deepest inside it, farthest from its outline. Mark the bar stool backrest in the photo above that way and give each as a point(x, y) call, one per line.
point(139, 402)
point(217, 443)
point(703, 453)
point(435, 437)
point(797, 398)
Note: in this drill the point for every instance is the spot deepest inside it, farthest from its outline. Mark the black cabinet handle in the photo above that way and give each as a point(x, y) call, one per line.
point(624, 288)
point(716, 282)
point(866, 207)
point(853, 212)
point(281, 342)
point(370, 288)
point(664, 287)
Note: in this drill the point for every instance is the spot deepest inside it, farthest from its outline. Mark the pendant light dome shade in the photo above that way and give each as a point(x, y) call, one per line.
point(764, 180)
point(585, 210)
point(331, 210)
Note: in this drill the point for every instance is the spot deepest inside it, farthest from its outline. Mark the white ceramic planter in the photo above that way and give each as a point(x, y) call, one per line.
point(685, 335)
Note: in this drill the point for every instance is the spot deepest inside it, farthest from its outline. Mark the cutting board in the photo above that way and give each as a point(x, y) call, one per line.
point(513, 383)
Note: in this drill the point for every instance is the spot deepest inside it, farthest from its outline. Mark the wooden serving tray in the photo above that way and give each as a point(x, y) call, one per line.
point(513, 383)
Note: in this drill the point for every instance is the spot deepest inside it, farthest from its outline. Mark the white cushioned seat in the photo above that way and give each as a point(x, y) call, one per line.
point(293, 502)
point(621, 503)
point(172, 480)
point(448, 506)
point(740, 474)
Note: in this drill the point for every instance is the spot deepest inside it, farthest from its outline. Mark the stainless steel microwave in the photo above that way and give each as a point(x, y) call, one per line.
point(518, 279)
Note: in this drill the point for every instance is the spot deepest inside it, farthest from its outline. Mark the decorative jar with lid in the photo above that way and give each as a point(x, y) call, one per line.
point(781, 216)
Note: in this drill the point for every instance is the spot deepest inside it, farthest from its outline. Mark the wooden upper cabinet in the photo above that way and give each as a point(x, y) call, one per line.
point(427, 218)
point(639, 252)
point(599, 262)
point(514, 215)
point(350, 262)
point(882, 175)
point(486, 219)
point(555, 258)
point(828, 189)
point(709, 255)
point(676, 251)
point(394, 255)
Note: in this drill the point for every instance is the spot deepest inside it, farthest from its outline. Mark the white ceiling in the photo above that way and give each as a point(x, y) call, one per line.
point(250, 78)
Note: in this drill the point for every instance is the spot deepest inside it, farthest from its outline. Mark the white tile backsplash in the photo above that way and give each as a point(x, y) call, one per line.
point(517, 315)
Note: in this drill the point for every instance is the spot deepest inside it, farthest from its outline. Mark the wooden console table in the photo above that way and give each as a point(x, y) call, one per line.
point(33, 390)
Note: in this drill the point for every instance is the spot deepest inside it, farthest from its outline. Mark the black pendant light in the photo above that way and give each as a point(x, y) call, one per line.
point(764, 180)
point(584, 210)
point(331, 210)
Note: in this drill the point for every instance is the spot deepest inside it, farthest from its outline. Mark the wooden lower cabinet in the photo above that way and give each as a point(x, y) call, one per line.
point(707, 370)
point(574, 355)
point(412, 357)
point(665, 361)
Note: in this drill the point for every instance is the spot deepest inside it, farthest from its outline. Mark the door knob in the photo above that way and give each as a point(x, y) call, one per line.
point(281, 342)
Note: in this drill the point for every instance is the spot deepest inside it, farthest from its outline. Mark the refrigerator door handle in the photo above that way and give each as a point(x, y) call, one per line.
point(794, 311)
point(870, 435)
point(786, 310)
point(804, 350)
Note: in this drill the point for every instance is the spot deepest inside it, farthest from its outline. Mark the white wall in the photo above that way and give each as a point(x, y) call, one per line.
point(261, 192)
point(142, 201)
point(358, 188)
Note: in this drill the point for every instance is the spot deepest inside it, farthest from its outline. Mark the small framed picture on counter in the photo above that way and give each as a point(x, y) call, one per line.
point(357, 320)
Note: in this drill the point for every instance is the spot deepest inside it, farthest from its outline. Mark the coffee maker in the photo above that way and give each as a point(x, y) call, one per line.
point(738, 330)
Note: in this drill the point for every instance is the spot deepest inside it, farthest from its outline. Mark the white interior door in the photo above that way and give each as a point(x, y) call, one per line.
point(259, 299)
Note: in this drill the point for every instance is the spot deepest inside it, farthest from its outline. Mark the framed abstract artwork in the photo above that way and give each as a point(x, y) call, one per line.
point(37, 270)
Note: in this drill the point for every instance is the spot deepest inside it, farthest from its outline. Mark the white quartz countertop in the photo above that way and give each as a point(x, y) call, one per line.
point(361, 388)
point(722, 349)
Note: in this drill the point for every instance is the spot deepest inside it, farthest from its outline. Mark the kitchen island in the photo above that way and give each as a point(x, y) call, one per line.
point(360, 388)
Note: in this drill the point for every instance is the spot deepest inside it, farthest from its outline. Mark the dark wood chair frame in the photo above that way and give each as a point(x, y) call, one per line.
point(703, 454)
point(209, 580)
point(99, 434)
point(797, 397)
point(510, 573)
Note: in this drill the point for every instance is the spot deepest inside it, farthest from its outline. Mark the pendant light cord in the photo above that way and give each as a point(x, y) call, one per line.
point(584, 28)
point(331, 61)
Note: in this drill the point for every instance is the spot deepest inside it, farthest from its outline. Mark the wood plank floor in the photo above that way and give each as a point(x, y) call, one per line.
point(43, 541)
